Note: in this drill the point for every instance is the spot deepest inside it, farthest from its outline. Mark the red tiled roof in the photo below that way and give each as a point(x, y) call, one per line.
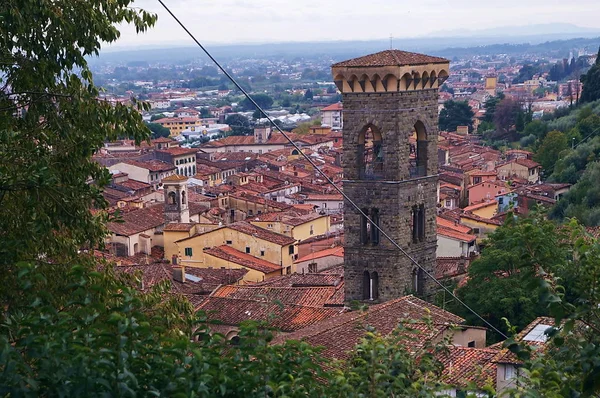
point(138, 220)
point(442, 222)
point(333, 251)
point(163, 140)
point(287, 318)
point(176, 119)
point(334, 107)
point(178, 151)
point(481, 205)
point(530, 164)
point(175, 177)
point(152, 165)
point(306, 296)
point(475, 217)
point(391, 58)
point(448, 267)
point(340, 335)
point(232, 255)
point(332, 278)
point(507, 356)
point(184, 227)
point(134, 185)
point(464, 365)
point(261, 233)
point(452, 234)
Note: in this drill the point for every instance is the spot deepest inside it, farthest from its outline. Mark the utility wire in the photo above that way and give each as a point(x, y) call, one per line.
point(325, 176)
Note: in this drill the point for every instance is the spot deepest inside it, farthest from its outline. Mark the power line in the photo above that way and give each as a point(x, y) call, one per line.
point(325, 176)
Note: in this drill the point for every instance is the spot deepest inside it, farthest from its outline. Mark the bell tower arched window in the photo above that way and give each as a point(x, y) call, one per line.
point(369, 234)
point(183, 197)
point(418, 151)
point(370, 154)
point(370, 285)
point(172, 198)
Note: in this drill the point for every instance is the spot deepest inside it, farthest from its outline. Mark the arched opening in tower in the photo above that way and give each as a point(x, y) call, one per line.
point(418, 151)
point(370, 154)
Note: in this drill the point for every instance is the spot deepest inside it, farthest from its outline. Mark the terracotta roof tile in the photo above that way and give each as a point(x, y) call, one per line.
point(442, 222)
point(261, 233)
point(463, 365)
point(339, 335)
point(391, 58)
point(176, 226)
point(334, 107)
point(333, 251)
point(232, 255)
point(304, 280)
point(178, 151)
point(286, 317)
point(138, 220)
point(152, 165)
point(453, 234)
point(306, 296)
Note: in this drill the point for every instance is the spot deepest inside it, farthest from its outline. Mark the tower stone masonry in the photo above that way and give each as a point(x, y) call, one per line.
point(390, 171)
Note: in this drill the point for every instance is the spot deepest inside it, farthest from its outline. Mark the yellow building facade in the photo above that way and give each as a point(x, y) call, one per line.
point(247, 239)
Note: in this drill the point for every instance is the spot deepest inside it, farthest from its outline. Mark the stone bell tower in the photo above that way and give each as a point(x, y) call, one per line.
point(176, 199)
point(390, 169)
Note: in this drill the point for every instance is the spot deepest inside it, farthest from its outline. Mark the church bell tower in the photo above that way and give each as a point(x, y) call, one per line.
point(390, 171)
point(176, 199)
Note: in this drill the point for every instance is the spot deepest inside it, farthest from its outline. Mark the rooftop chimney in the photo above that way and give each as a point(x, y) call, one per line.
point(179, 274)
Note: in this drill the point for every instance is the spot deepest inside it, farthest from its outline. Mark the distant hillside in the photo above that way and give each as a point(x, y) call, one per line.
point(447, 47)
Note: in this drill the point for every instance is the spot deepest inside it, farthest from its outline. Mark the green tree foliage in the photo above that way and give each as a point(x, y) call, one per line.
point(569, 366)
point(583, 200)
point(550, 150)
point(308, 95)
point(456, 113)
point(569, 168)
point(157, 116)
point(103, 337)
point(504, 281)
point(52, 121)
point(537, 128)
point(526, 73)
point(505, 117)
point(490, 107)
point(591, 82)
point(263, 100)
point(158, 130)
point(240, 124)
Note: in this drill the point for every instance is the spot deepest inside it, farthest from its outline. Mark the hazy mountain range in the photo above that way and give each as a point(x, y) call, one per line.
point(544, 39)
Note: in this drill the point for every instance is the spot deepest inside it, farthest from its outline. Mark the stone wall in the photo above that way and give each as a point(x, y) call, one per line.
point(394, 114)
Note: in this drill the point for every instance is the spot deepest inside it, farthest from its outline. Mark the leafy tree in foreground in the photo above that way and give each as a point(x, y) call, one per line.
point(570, 364)
point(454, 114)
point(51, 122)
point(108, 339)
point(509, 268)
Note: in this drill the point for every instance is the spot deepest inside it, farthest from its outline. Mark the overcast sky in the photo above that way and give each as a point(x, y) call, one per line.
point(248, 21)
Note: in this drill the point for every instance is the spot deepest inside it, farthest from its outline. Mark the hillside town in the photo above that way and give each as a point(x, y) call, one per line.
point(292, 221)
point(238, 222)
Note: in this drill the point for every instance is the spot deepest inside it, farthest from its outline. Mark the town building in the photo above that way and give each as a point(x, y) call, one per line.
point(332, 116)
